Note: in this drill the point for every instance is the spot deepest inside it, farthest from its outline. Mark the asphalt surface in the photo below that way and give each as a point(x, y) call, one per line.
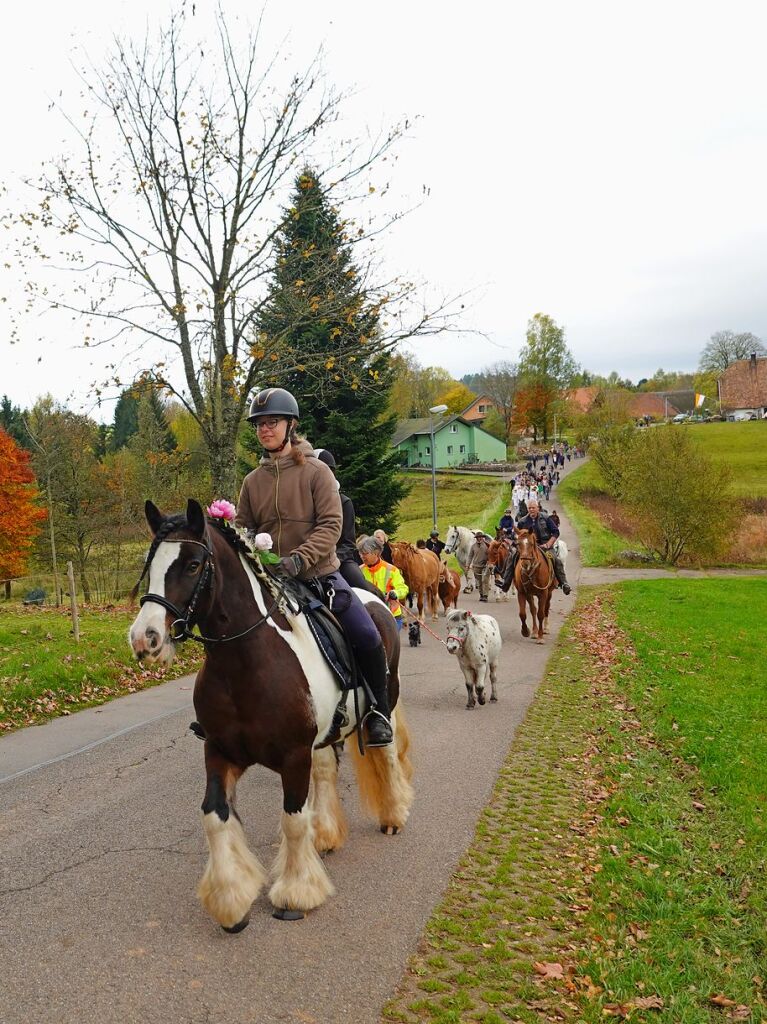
point(101, 848)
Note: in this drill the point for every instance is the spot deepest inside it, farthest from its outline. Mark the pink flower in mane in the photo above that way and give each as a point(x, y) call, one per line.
point(222, 509)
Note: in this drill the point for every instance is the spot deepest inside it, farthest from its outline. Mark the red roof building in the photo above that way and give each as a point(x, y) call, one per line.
point(743, 386)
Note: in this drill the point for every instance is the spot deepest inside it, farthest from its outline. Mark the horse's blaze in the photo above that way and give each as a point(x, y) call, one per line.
point(148, 636)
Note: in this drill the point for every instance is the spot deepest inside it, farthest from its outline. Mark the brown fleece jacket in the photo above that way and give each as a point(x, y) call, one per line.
point(295, 499)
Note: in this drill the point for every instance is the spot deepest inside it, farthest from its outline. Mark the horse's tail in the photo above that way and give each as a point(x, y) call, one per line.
point(403, 740)
point(384, 774)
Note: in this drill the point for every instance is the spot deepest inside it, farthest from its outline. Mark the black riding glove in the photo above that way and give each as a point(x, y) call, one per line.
point(291, 565)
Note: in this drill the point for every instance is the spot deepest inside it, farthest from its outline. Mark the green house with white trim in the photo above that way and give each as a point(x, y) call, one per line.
point(456, 441)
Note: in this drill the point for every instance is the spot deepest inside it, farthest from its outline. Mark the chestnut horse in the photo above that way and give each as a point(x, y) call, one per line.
point(449, 586)
point(498, 555)
point(535, 580)
point(264, 695)
point(420, 567)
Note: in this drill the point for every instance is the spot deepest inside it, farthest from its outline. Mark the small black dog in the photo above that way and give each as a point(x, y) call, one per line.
point(414, 634)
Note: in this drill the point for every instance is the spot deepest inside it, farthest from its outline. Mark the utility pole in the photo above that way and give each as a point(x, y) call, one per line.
point(437, 409)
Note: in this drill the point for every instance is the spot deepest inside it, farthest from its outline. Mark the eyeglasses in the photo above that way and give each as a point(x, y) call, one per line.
point(268, 421)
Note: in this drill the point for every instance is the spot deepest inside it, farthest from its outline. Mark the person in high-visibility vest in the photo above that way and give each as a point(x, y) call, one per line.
point(383, 575)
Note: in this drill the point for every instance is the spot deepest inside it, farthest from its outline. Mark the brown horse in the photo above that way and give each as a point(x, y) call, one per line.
point(449, 586)
point(498, 555)
point(420, 567)
point(535, 580)
point(264, 695)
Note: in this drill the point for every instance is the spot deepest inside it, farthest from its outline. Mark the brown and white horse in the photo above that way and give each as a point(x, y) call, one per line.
point(535, 581)
point(420, 567)
point(264, 695)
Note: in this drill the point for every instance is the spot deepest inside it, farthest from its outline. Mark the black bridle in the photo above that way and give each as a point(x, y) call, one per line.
point(182, 625)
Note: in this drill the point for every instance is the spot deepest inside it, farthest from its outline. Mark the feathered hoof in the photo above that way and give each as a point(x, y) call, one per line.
point(390, 830)
point(239, 927)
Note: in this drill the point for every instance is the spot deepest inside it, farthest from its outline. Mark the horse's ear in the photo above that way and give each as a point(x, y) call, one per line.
point(153, 515)
point(194, 517)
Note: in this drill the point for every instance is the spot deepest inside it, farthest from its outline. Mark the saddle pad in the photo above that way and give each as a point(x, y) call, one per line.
point(327, 631)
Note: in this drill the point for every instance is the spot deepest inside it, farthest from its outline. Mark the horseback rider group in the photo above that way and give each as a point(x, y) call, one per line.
point(293, 495)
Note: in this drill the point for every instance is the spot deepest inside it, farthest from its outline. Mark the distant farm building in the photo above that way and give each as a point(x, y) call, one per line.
point(743, 387)
point(456, 441)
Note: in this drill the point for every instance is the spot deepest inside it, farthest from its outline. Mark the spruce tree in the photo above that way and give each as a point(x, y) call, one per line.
point(320, 307)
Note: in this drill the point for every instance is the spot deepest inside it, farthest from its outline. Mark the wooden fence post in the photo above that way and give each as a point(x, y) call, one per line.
point(73, 602)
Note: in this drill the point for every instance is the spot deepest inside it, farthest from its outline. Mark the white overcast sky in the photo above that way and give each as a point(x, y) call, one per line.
point(602, 162)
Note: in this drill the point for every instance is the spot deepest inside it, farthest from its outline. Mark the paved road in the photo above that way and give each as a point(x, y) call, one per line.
point(102, 847)
point(609, 575)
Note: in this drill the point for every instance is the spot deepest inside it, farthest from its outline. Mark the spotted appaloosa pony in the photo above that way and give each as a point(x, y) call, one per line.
point(535, 581)
point(264, 695)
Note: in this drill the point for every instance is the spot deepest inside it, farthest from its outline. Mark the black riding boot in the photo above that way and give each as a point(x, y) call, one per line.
point(559, 572)
point(375, 670)
point(508, 576)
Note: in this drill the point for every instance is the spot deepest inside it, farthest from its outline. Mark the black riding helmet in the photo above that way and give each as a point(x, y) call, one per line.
point(273, 402)
point(327, 457)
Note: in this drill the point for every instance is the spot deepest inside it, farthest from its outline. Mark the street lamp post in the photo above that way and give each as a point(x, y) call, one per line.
point(435, 409)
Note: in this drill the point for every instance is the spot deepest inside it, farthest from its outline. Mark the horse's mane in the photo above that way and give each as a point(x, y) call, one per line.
point(177, 522)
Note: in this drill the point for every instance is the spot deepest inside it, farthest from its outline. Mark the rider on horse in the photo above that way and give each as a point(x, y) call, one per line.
point(507, 522)
point(546, 533)
point(293, 497)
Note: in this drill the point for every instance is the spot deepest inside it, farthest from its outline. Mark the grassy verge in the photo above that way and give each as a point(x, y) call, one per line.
point(599, 544)
point(618, 871)
point(44, 673)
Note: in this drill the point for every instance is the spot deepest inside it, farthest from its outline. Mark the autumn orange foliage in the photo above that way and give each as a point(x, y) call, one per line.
point(20, 515)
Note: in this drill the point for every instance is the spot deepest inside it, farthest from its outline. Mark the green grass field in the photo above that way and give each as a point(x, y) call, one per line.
point(618, 870)
point(44, 673)
point(743, 446)
point(475, 501)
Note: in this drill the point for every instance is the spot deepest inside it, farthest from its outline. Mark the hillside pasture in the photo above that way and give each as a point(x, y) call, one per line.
point(743, 446)
point(468, 500)
point(605, 531)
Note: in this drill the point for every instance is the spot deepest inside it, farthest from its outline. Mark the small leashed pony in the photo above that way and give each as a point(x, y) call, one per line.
point(264, 695)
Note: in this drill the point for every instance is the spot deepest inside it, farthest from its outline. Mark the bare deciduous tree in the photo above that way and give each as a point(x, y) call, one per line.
point(726, 347)
point(500, 382)
point(167, 215)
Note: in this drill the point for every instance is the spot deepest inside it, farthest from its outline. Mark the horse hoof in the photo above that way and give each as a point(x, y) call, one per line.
point(481, 699)
point(390, 830)
point(539, 642)
point(239, 927)
point(493, 700)
point(288, 915)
